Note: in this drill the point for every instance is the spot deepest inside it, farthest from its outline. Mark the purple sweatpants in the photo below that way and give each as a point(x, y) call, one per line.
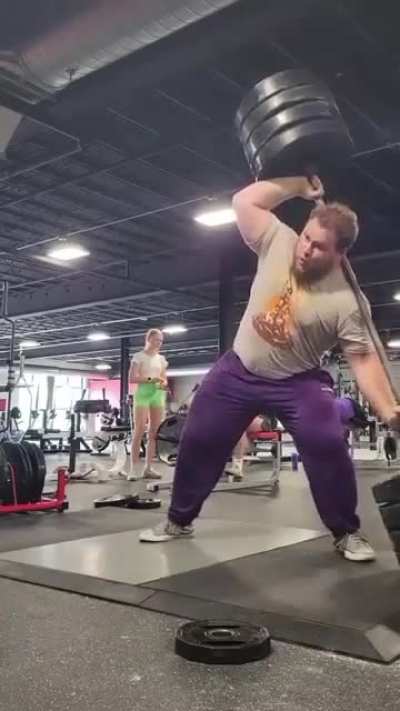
point(227, 401)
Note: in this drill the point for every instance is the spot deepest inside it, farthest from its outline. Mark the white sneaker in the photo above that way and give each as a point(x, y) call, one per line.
point(150, 473)
point(134, 472)
point(235, 468)
point(165, 531)
point(355, 547)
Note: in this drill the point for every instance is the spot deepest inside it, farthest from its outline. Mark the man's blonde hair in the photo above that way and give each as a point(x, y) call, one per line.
point(341, 220)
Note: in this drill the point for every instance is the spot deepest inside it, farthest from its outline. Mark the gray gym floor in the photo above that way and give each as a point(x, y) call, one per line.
point(68, 651)
point(71, 653)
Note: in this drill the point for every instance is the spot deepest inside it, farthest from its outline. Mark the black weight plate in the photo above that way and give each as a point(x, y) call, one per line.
point(6, 490)
point(387, 492)
point(281, 122)
point(117, 500)
point(19, 460)
point(91, 407)
point(144, 504)
point(168, 438)
point(280, 102)
point(38, 464)
point(222, 642)
point(391, 516)
point(317, 142)
point(273, 84)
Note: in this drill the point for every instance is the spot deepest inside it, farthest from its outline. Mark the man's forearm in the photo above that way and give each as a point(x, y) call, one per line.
point(268, 194)
point(374, 384)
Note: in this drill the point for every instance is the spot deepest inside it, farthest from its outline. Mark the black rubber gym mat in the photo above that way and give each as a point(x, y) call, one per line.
point(305, 593)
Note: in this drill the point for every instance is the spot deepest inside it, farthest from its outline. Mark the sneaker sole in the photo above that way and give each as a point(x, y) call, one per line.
point(150, 537)
point(354, 558)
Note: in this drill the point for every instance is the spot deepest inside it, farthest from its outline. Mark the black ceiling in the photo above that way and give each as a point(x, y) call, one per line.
point(122, 159)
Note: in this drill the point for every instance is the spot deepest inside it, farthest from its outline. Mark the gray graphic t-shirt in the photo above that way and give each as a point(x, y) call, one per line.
point(285, 328)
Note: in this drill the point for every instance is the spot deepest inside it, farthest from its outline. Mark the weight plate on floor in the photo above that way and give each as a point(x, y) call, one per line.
point(19, 460)
point(222, 642)
point(144, 504)
point(116, 500)
point(391, 516)
point(38, 464)
point(387, 492)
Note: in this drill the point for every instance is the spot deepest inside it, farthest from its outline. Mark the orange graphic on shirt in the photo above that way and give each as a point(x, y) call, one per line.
point(274, 325)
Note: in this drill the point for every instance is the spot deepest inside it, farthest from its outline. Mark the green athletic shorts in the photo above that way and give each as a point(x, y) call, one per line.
point(149, 395)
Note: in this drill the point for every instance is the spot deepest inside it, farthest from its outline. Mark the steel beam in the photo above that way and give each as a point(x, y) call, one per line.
point(92, 290)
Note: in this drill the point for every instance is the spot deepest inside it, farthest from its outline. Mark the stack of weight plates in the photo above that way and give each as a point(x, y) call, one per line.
point(22, 473)
point(289, 119)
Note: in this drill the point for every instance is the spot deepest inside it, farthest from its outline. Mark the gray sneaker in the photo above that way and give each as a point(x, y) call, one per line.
point(353, 546)
point(165, 531)
point(150, 473)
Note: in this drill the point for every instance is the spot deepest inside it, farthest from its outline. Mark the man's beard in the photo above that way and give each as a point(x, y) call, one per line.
point(310, 275)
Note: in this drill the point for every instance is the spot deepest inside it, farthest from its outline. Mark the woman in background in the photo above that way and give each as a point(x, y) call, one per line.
point(148, 373)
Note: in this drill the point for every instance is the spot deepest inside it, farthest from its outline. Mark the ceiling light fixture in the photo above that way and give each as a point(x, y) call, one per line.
point(174, 328)
point(216, 218)
point(394, 343)
point(29, 344)
point(67, 252)
point(397, 296)
point(103, 366)
point(98, 336)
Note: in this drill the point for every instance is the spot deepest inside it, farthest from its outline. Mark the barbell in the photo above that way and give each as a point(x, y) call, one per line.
point(290, 124)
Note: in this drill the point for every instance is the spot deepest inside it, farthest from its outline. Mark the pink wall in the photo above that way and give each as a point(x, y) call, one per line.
point(111, 388)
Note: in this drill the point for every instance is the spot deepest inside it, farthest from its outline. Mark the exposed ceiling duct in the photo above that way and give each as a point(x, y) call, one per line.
point(81, 37)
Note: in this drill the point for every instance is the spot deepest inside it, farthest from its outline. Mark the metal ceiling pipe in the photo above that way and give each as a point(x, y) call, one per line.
point(82, 36)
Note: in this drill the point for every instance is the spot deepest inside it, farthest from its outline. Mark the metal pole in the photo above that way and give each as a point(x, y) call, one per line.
point(124, 382)
point(226, 317)
point(72, 445)
point(11, 371)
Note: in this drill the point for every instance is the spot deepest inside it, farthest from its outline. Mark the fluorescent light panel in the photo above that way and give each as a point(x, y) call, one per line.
point(182, 372)
point(174, 328)
point(103, 366)
point(98, 336)
point(216, 218)
point(28, 343)
point(67, 252)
